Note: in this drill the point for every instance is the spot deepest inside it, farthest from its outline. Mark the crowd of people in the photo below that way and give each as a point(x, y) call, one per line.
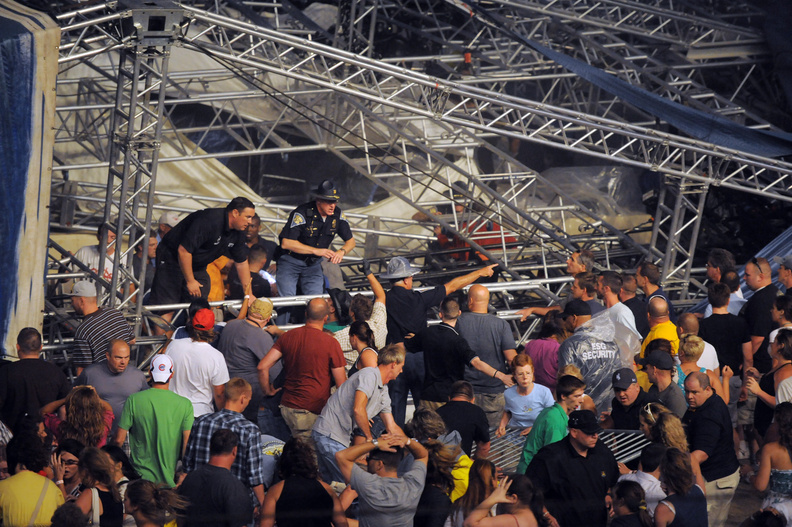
point(238, 422)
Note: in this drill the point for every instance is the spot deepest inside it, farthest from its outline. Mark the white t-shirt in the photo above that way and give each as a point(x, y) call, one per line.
point(89, 255)
point(197, 368)
point(709, 358)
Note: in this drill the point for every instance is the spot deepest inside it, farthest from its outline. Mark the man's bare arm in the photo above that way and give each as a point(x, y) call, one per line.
point(462, 281)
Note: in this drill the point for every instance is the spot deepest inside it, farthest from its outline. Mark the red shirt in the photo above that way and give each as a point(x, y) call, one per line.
point(308, 356)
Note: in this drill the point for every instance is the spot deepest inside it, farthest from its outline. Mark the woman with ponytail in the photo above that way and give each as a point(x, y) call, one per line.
point(101, 500)
point(629, 504)
point(152, 504)
point(361, 338)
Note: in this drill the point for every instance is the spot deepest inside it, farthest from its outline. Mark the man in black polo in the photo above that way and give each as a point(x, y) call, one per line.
point(195, 242)
point(576, 474)
point(445, 355)
point(711, 443)
point(626, 406)
point(306, 238)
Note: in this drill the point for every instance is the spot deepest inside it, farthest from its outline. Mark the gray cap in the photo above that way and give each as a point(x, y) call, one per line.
point(399, 267)
point(84, 288)
point(786, 261)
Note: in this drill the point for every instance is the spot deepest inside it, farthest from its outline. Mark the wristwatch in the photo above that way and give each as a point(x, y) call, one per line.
point(375, 442)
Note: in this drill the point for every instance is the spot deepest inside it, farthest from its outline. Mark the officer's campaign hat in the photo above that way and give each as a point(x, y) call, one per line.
point(326, 191)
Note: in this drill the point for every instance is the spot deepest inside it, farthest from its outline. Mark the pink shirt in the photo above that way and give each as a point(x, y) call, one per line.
point(53, 422)
point(544, 354)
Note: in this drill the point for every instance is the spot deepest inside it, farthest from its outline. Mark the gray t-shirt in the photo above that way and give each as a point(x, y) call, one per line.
point(672, 398)
point(488, 337)
point(244, 345)
point(388, 502)
point(337, 419)
point(114, 388)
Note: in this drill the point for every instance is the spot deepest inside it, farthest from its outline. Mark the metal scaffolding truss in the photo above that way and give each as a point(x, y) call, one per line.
point(411, 132)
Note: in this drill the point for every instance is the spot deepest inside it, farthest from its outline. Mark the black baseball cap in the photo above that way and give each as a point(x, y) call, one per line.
point(659, 359)
point(623, 378)
point(585, 421)
point(577, 308)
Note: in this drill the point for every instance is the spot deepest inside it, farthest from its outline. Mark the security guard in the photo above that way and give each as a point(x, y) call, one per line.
point(305, 239)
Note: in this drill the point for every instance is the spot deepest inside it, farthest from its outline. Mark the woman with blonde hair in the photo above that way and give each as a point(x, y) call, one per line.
point(88, 417)
point(690, 349)
point(660, 425)
point(101, 500)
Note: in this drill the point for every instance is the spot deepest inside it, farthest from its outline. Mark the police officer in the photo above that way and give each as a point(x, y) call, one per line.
point(305, 239)
point(198, 240)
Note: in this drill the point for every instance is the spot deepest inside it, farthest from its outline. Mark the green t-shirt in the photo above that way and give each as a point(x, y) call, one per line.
point(156, 420)
point(550, 426)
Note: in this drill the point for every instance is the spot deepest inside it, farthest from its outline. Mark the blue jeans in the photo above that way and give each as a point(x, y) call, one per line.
point(291, 272)
point(411, 379)
point(326, 448)
point(273, 424)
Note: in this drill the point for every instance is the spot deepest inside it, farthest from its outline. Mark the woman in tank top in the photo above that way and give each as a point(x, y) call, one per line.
point(301, 499)
point(98, 474)
point(685, 504)
point(361, 338)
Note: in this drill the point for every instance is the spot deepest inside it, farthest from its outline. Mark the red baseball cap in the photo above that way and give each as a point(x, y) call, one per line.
point(203, 319)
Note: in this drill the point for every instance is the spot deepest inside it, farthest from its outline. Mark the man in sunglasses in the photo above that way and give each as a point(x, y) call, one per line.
point(576, 474)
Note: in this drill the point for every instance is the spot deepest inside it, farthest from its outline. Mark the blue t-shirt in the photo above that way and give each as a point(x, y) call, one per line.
point(526, 408)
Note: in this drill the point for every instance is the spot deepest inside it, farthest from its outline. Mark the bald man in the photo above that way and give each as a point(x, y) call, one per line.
point(492, 340)
point(660, 325)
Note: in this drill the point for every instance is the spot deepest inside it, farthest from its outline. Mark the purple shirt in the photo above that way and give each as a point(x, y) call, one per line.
point(544, 354)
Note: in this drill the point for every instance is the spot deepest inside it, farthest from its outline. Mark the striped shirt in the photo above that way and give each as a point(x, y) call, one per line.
point(92, 339)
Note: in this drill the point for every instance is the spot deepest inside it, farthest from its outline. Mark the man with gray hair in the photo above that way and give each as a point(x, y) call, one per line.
point(354, 404)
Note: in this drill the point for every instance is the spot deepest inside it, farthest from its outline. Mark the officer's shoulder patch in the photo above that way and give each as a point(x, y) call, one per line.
point(297, 220)
point(344, 218)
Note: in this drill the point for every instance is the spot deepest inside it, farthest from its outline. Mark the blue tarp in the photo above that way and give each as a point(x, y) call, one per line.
point(698, 124)
point(17, 70)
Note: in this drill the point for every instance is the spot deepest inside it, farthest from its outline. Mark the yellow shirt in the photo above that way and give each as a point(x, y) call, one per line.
point(665, 330)
point(19, 495)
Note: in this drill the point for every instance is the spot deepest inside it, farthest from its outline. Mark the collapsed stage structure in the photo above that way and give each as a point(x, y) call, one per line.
point(425, 102)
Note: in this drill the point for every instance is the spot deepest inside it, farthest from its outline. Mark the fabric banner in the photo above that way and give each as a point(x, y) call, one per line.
point(28, 68)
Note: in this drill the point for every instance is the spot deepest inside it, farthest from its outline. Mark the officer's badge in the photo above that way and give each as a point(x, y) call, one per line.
point(333, 225)
point(298, 220)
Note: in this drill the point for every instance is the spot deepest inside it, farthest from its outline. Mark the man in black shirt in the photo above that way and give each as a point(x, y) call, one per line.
point(576, 473)
point(469, 420)
point(195, 242)
point(711, 443)
point(637, 305)
point(29, 383)
point(730, 337)
point(445, 355)
point(756, 311)
point(215, 496)
point(407, 314)
point(626, 406)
